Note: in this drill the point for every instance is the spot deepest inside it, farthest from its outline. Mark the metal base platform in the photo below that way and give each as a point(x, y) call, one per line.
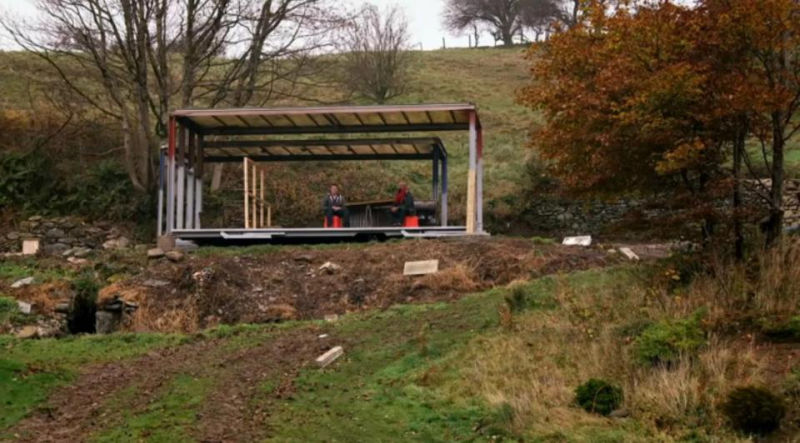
point(294, 235)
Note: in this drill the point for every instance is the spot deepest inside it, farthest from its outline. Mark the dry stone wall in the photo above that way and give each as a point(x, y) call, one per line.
point(69, 236)
point(554, 215)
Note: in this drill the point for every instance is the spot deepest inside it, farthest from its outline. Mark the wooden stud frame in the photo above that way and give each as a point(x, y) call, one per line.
point(255, 204)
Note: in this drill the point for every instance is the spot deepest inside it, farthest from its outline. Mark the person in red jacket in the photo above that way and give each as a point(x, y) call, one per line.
point(403, 204)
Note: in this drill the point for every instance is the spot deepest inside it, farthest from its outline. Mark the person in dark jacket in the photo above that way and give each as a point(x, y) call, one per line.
point(403, 204)
point(335, 204)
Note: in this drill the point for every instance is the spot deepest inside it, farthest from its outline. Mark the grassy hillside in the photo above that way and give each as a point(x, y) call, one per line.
point(487, 77)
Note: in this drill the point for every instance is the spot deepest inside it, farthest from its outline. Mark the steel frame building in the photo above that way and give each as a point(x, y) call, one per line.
point(198, 137)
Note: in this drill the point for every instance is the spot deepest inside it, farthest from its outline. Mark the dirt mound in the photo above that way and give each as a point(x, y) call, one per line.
point(292, 283)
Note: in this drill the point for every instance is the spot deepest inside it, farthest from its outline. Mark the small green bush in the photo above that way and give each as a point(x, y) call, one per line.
point(786, 331)
point(105, 192)
point(26, 180)
point(634, 328)
point(598, 396)
point(8, 307)
point(754, 410)
point(664, 342)
point(522, 298)
point(542, 241)
point(516, 300)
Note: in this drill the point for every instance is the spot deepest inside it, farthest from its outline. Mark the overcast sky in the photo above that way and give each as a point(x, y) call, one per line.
point(424, 20)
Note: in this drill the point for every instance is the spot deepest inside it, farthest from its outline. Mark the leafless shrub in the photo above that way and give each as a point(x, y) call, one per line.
point(376, 58)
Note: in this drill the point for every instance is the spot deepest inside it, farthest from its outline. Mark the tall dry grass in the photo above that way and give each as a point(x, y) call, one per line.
point(535, 364)
point(767, 286)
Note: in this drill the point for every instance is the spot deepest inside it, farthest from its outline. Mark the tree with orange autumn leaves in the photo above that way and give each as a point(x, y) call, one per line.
point(664, 96)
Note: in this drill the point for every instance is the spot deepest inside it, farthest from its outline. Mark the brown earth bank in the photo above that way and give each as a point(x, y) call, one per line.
point(260, 284)
point(306, 283)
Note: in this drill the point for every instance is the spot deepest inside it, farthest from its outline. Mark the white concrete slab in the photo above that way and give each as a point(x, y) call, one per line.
point(30, 246)
point(421, 267)
point(627, 252)
point(581, 240)
point(330, 356)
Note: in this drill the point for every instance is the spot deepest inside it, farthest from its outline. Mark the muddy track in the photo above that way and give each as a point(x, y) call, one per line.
point(230, 412)
point(86, 407)
point(74, 411)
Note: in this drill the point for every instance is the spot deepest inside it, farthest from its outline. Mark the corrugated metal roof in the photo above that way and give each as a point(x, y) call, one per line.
point(339, 149)
point(327, 119)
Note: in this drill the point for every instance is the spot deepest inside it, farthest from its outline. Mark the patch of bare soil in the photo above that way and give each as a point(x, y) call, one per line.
point(203, 291)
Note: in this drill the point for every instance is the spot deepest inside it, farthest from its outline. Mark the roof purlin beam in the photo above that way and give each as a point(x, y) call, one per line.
point(314, 157)
point(336, 130)
point(313, 142)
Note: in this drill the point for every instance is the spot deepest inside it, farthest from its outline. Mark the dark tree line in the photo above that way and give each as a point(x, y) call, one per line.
point(507, 19)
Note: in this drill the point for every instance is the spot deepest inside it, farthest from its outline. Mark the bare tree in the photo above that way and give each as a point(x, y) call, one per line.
point(376, 55)
point(131, 59)
point(502, 17)
point(507, 18)
point(541, 16)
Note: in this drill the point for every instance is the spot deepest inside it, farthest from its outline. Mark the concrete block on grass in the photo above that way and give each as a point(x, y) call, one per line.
point(330, 356)
point(581, 240)
point(421, 267)
point(627, 252)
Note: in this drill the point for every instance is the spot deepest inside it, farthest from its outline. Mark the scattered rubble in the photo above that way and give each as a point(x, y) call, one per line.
point(627, 252)
point(581, 240)
point(29, 331)
point(194, 294)
point(110, 313)
point(421, 267)
point(116, 243)
point(22, 282)
point(619, 413)
point(330, 356)
point(153, 283)
point(24, 307)
point(155, 253)
point(78, 261)
point(304, 258)
point(30, 246)
point(280, 312)
point(330, 267)
point(174, 255)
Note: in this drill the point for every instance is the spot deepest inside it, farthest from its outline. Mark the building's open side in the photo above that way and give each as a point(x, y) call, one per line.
point(201, 137)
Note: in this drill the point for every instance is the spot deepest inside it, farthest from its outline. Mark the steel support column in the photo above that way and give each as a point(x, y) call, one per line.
point(472, 172)
point(171, 176)
point(479, 184)
point(198, 187)
point(435, 191)
point(160, 215)
point(444, 191)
